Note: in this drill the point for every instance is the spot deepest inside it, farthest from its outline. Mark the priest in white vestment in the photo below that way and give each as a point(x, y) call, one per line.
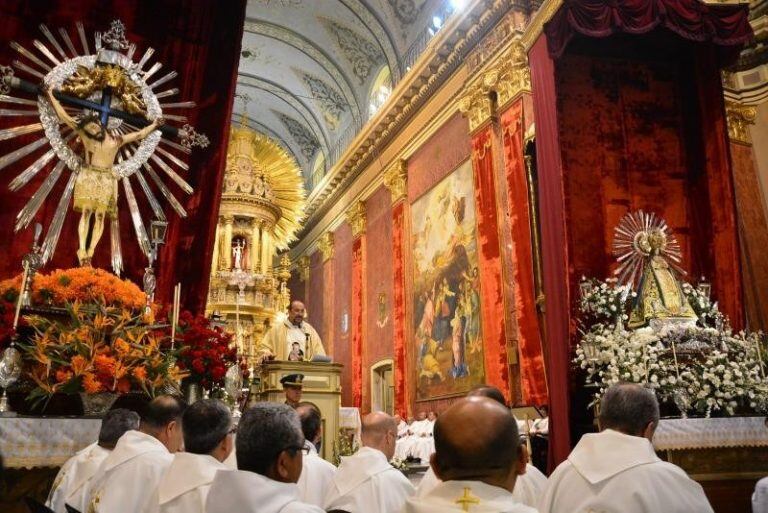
point(316, 474)
point(424, 445)
point(478, 457)
point(617, 470)
point(129, 475)
point(77, 472)
point(294, 339)
point(417, 429)
point(760, 497)
point(270, 450)
point(208, 442)
point(366, 482)
point(402, 426)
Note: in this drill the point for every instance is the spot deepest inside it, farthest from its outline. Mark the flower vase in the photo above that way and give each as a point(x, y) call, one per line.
point(193, 392)
point(97, 405)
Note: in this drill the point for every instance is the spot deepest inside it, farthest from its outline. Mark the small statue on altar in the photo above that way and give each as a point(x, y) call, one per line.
point(649, 259)
point(95, 193)
point(237, 255)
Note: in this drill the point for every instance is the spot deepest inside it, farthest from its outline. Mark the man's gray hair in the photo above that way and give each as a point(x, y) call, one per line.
point(629, 408)
point(265, 430)
point(114, 425)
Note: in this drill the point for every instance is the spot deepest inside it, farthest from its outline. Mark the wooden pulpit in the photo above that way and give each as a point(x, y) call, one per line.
point(322, 386)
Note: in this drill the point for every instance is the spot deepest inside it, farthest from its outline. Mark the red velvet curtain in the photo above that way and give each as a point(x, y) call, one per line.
point(200, 39)
point(725, 25)
point(489, 262)
point(398, 308)
point(554, 248)
point(532, 375)
point(358, 301)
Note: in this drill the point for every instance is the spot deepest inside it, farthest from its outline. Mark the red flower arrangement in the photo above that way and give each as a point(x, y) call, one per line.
point(205, 351)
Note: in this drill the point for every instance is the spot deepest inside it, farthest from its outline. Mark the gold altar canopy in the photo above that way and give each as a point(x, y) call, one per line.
point(261, 207)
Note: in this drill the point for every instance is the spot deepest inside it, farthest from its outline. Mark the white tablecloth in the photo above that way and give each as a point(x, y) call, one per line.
point(27, 442)
point(678, 434)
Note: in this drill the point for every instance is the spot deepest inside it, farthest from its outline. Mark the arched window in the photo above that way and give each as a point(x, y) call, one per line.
point(318, 170)
point(380, 91)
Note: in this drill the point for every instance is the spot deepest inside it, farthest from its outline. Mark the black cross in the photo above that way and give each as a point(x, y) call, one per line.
point(104, 108)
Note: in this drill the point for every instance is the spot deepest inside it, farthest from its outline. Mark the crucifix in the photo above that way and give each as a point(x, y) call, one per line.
point(104, 101)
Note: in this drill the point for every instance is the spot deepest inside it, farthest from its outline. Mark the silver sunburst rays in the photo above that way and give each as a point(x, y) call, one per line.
point(50, 62)
point(639, 236)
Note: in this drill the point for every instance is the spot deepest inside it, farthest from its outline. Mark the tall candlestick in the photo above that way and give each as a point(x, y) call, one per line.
point(20, 299)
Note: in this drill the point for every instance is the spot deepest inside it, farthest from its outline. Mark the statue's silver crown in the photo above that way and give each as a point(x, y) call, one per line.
point(115, 38)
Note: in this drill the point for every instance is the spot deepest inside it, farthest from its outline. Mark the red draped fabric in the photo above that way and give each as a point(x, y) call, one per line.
point(725, 25)
point(532, 374)
point(200, 39)
point(554, 248)
point(489, 262)
point(398, 308)
point(358, 298)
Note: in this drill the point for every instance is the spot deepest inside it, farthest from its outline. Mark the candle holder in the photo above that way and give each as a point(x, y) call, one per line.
point(10, 371)
point(157, 232)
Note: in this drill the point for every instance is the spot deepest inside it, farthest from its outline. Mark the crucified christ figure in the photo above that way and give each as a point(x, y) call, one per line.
point(95, 194)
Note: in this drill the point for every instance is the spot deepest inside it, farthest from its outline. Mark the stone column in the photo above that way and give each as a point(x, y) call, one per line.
point(227, 249)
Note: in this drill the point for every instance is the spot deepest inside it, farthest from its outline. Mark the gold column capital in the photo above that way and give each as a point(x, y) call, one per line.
point(396, 180)
point(514, 75)
point(356, 218)
point(325, 245)
point(476, 104)
point(303, 267)
point(739, 117)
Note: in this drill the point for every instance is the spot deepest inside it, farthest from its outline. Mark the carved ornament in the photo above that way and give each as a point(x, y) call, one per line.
point(356, 218)
point(303, 267)
point(739, 117)
point(325, 245)
point(396, 180)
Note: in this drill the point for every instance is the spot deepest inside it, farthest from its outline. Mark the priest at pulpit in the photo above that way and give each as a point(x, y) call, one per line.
point(294, 339)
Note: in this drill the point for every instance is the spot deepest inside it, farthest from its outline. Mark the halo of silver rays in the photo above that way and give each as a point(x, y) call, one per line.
point(145, 161)
point(630, 256)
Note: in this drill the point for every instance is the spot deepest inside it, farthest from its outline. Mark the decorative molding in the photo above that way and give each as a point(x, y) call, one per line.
point(508, 76)
point(451, 46)
point(356, 218)
point(739, 117)
point(303, 266)
point(305, 46)
point(298, 106)
point(536, 26)
point(364, 56)
point(325, 245)
point(301, 134)
point(396, 180)
point(476, 105)
point(330, 102)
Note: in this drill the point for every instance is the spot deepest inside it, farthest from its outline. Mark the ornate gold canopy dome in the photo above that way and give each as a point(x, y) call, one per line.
point(261, 173)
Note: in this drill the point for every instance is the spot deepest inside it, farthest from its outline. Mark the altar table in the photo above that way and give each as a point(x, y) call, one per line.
point(28, 442)
point(725, 455)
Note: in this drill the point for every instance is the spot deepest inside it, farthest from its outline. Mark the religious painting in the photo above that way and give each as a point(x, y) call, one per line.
point(446, 331)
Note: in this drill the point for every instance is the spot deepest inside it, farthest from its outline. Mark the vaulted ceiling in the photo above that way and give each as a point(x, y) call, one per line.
point(307, 66)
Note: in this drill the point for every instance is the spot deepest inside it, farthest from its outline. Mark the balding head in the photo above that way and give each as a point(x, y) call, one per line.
point(162, 419)
point(488, 391)
point(380, 432)
point(476, 439)
point(630, 409)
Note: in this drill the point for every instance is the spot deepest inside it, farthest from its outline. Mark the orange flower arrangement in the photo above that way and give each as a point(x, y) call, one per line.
point(97, 349)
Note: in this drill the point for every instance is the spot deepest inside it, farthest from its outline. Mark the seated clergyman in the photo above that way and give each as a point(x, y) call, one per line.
point(126, 478)
point(617, 469)
point(529, 485)
point(366, 482)
point(208, 441)
point(478, 457)
point(317, 474)
point(270, 450)
point(78, 471)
